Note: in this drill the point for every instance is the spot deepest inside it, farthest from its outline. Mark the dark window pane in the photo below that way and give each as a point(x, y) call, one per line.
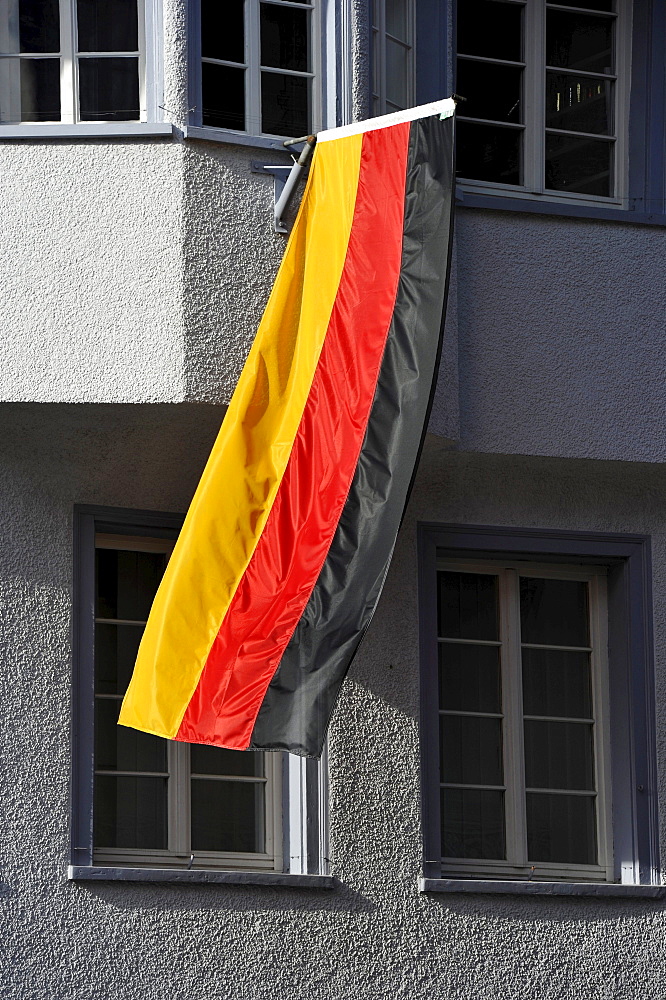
point(579, 41)
point(490, 29)
point(592, 5)
point(561, 829)
point(559, 755)
point(127, 581)
point(398, 73)
point(284, 37)
point(553, 612)
point(467, 606)
point(223, 30)
point(472, 824)
point(486, 153)
point(223, 96)
point(40, 89)
point(471, 750)
point(214, 760)
point(580, 165)
point(469, 678)
point(285, 102)
point(109, 89)
point(39, 26)
point(130, 812)
point(116, 647)
point(579, 104)
point(118, 748)
point(397, 19)
point(228, 816)
point(491, 91)
point(108, 26)
point(557, 683)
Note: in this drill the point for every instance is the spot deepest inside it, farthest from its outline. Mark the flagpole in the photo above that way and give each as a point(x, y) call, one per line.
point(282, 204)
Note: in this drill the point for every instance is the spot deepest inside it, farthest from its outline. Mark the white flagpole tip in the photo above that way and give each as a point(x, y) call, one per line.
point(444, 108)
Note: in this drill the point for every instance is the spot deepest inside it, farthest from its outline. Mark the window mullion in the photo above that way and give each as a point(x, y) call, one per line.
point(534, 97)
point(623, 36)
point(178, 757)
point(600, 709)
point(68, 103)
point(381, 51)
point(253, 118)
point(512, 700)
point(141, 26)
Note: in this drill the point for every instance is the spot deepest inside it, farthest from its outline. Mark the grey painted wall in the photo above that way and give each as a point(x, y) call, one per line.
point(375, 937)
point(562, 327)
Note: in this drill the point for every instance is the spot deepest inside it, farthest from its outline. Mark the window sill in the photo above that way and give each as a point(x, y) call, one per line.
point(234, 138)
point(499, 203)
point(86, 130)
point(508, 888)
point(90, 873)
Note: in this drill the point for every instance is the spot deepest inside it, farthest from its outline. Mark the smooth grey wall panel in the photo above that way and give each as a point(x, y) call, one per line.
point(562, 326)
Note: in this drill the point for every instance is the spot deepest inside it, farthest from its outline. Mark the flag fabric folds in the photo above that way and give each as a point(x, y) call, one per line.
point(286, 545)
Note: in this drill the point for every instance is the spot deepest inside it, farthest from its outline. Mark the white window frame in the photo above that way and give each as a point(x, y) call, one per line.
point(516, 865)
point(150, 70)
point(534, 127)
point(322, 26)
point(296, 793)
point(380, 104)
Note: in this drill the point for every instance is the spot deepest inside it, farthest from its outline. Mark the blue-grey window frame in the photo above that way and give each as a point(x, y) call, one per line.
point(87, 521)
point(305, 865)
point(436, 19)
point(631, 675)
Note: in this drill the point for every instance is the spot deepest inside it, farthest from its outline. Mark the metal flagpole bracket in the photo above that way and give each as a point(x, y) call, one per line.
point(285, 178)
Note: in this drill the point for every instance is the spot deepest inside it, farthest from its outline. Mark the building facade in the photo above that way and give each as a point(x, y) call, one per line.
point(487, 818)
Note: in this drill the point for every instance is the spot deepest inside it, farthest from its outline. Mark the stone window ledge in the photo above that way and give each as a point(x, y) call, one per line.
point(510, 888)
point(91, 873)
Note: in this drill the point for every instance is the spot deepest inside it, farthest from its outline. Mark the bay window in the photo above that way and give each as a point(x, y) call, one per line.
point(76, 61)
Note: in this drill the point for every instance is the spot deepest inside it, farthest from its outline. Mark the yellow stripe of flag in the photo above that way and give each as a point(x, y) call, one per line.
point(243, 474)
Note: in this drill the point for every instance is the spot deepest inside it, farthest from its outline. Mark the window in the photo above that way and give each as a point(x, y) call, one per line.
point(74, 61)
point(156, 798)
point(537, 710)
point(258, 62)
point(522, 720)
point(546, 93)
point(142, 802)
point(392, 55)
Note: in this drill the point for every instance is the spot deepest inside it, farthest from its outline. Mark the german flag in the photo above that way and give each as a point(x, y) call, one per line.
point(286, 545)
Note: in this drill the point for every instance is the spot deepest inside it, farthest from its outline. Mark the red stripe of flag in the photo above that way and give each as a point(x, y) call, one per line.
point(275, 588)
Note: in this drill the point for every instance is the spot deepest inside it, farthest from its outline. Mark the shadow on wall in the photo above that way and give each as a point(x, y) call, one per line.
point(212, 898)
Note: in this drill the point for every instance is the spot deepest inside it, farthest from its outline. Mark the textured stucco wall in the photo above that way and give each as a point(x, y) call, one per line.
point(90, 252)
point(375, 937)
point(230, 258)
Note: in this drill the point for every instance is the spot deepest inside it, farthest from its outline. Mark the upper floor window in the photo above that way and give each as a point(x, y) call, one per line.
point(71, 61)
point(546, 87)
point(393, 30)
point(258, 66)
